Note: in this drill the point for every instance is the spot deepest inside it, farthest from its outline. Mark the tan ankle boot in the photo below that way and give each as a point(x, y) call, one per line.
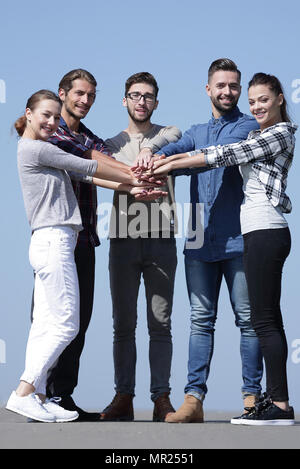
point(191, 411)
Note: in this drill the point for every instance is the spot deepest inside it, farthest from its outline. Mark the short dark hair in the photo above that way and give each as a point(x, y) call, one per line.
point(66, 83)
point(224, 64)
point(142, 77)
point(274, 84)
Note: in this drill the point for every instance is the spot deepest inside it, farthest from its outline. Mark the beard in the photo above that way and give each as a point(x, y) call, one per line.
point(224, 109)
point(71, 112)
point(141, 120)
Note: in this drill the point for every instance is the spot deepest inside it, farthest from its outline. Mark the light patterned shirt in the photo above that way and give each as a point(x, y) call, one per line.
point(271, 153)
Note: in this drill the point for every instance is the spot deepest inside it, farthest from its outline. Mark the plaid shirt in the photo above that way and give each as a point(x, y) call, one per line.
point(86, 194)
point(271, 153)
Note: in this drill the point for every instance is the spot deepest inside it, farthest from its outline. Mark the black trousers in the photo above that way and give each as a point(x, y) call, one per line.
point(63, 378)
point(265, 252)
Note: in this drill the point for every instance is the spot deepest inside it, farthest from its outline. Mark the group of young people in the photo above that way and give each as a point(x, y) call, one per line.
point(238, 167)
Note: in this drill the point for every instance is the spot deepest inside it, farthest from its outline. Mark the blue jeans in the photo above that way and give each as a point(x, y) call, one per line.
point(203, 283)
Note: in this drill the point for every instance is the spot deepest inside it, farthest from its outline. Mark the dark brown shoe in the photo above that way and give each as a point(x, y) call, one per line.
point(162, 407)
point(119, 410)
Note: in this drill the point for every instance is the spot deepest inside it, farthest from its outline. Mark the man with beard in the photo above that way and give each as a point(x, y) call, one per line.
point(77, 91)
point(221, 255)
point(141, 245)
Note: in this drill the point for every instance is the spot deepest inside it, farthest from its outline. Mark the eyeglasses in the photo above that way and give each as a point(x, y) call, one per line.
point(136, 97)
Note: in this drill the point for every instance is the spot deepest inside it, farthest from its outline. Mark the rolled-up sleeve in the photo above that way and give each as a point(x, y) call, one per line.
point(266, 146)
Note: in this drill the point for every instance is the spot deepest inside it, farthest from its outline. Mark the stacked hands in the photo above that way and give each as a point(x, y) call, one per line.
point(151, 172)
point(148, 185)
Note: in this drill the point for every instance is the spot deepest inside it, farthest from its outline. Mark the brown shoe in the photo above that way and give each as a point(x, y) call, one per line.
point(162, 407)
point(249, 403)
point(120, 409)
point(191, 411)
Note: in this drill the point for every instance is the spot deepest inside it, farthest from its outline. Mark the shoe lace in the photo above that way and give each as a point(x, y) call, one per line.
point(38, 399)
point(56, 400)
point(261, 405)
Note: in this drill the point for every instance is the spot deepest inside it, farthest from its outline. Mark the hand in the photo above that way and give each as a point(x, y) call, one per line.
point(161, 167)
point(143, 159)
point(143, 163)
point(140, 176)
point(156, 158)
point(147, 194)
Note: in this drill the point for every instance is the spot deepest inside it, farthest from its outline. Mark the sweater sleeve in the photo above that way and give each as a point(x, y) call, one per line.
point(52, 156)
point(167, 135)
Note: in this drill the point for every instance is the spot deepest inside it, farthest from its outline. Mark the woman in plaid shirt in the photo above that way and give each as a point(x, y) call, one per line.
point(264, 159)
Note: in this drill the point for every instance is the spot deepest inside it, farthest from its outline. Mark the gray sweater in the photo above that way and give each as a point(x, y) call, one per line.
point(47, 189)
point(125, 147)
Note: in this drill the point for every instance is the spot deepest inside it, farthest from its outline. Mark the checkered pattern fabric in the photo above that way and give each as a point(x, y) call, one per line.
point(78, 144)
point(271, 153)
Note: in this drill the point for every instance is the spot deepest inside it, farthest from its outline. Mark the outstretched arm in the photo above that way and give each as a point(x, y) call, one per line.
point(110, 169)
point(144, 192)
point(179, 161)
point(264, 146)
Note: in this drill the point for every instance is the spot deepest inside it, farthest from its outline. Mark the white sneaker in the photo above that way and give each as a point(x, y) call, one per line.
point(60, 414)
point(29, 407)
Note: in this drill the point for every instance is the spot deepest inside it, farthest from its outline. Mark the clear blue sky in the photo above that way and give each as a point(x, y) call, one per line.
point(176, 41)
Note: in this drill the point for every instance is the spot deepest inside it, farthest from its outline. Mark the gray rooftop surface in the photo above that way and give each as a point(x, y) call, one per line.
point(215, 433)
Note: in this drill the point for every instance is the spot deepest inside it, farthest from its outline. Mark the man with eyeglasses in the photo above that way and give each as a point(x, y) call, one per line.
point(142, 244)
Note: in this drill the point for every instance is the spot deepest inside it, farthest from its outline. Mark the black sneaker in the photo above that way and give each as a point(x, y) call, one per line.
point(239, 420)
point(266, 413)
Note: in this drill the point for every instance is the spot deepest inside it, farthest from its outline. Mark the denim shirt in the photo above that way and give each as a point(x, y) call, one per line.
point(220, 190)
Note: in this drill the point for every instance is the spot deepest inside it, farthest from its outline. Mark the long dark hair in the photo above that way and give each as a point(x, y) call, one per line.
point(274, 84)
point(20, 124)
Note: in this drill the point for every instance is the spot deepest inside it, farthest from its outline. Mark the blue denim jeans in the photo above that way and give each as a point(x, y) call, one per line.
point(203, 283)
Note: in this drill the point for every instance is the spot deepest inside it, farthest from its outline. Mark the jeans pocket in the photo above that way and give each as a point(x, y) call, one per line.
point(39, 254)
point(66, 243)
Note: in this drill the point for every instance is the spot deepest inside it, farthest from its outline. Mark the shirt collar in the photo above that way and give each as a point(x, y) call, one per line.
point(81, 129)
point(227, 117)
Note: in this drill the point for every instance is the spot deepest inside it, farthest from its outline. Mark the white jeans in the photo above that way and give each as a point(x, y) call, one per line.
point(56, 301)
